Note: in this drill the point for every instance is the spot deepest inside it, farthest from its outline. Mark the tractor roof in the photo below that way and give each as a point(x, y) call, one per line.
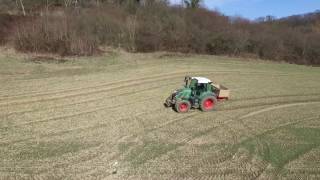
point(202, 80)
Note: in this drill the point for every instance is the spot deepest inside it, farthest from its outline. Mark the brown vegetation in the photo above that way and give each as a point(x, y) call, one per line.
point(67, 28)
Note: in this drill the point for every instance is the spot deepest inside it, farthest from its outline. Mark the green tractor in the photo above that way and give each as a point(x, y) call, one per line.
point(198, 92)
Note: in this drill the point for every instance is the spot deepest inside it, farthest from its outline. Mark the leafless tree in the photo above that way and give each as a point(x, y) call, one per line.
point(22, 7)
point(192, 3)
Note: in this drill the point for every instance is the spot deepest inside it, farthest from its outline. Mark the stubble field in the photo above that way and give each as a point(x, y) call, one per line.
point(103, 118)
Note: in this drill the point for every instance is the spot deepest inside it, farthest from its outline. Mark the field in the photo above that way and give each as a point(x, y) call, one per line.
point(103, 118)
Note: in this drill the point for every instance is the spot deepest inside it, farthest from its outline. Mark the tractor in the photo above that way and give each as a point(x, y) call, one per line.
point(198, 92)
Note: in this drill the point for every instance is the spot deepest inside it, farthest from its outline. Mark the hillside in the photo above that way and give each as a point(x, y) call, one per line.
point(103, 117)
point(81, 27)
point(308, 19)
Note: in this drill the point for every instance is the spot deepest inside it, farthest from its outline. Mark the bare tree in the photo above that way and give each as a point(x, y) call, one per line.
point(68, 3)
point(192, 3)
point(22, 7)
point(132, 31)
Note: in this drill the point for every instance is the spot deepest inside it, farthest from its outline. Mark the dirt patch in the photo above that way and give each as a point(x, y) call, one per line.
point(47, 59)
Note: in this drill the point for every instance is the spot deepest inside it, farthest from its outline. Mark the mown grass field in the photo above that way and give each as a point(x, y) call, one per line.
point(103, 118)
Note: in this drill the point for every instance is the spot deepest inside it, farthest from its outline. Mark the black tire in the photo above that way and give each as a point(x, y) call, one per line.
point(182, 106)
point(208, 103)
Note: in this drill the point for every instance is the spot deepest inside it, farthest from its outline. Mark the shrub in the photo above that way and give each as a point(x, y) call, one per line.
point(155, 26)
point(59, 35)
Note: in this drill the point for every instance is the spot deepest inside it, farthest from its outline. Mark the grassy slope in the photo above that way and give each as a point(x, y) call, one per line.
point(87, 117)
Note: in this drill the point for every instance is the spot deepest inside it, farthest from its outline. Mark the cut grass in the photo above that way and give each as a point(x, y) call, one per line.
point(43, 150)
point(278, 151)
point(149, 150)
point(74, 119)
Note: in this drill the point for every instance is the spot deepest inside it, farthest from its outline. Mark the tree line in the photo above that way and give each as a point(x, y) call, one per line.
point(80, 27)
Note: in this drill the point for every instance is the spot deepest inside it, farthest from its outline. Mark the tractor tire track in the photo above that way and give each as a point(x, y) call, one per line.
point(278, 107)
point(279, 127)
point(78, 130)
point(149, 89)
point(81, 129)
point(240, 166)
point(41, 93)
point(100, 125)
point(74, 95)
point(246, 116)
point(100, 108)
point(80, 93)
point(188, 140)
point(268, 104)
point(88, 101)
point(276, 96)
point(22, 76)
point(165, 124)
point(160, 126)
point(192, 114)
point(95, 153)
point(176, 74)
point(256, 174)
point(103, 125)
point(95, 87)
point(58, 96)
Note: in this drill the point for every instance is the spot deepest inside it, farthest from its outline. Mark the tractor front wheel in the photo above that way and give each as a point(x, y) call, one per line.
point(182, 106)
point(208, 103)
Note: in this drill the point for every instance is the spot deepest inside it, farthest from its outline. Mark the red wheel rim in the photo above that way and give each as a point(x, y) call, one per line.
point(208, 104)
point(183, 107)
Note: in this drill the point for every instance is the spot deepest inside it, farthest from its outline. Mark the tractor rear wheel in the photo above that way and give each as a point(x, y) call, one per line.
point(182, 106)
point(208, 103)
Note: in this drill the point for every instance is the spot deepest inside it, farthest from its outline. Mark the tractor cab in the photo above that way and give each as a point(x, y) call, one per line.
point(198, 85)
point(198, 92)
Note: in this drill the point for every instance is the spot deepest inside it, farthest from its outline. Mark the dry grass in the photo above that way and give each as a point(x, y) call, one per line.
point(90, 118)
